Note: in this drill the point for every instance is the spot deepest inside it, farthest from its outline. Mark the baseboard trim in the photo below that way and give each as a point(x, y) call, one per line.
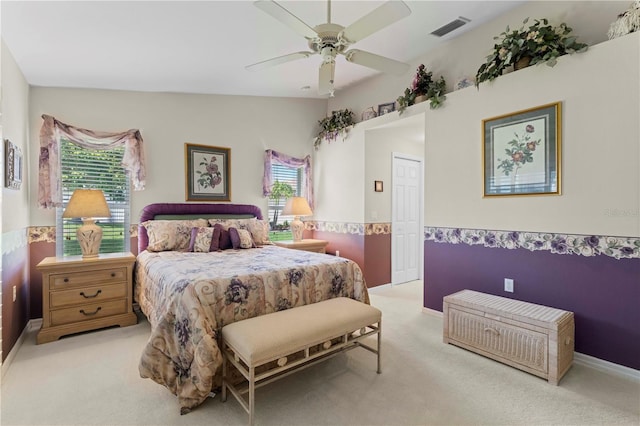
point(580, 358)
point(431, 312)
point(33, 324)
point(606, 366)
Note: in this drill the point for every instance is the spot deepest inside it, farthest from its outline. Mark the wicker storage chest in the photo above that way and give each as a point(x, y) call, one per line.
point(534, 338)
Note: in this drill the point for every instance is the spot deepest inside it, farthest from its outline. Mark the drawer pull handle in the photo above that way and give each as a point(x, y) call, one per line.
point(492, 330)
point(90, 313)
point(66, 280)
point(90, 297)
point(113, 275)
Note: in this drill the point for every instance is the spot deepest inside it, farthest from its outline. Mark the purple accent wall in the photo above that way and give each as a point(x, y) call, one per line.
point(15, 315)
point(603, 293)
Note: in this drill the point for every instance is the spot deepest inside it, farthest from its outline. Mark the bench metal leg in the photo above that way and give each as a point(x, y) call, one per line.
point(252, 393)
point(379, 346)
point(224, 376)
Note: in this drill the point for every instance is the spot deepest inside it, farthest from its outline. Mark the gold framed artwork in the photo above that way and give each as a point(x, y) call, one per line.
point(13, 165)
point(522, 152)
point(208, 173)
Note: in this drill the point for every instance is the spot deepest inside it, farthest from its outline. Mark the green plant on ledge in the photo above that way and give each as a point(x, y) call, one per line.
point(423, 85)
point(338, 123)
point(536, 44)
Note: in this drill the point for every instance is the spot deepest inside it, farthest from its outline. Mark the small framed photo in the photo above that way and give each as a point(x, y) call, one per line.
point(377, 186)
point(208, 173)
point(522, 152)
point(13, 165)
point(386, 108)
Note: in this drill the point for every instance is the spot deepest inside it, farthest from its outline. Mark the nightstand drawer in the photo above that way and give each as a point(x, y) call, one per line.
point(79, 296)
point(88, 312)
point(84, 278)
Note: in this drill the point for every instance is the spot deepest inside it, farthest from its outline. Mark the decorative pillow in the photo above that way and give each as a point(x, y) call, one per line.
point(167, 235)
point(240, 238)
point(215, 240)
point(201, 239)
point(224, 242)
point(259, 228)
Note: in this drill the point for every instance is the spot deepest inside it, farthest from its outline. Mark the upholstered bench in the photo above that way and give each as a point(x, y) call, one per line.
point(268, 347)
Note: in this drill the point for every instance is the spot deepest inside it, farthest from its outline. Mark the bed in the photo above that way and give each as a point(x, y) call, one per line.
point(189, 296)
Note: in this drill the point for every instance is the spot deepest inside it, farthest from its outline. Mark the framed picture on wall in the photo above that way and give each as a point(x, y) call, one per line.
point(522, 152)
point(208, 173)
point(13, 165)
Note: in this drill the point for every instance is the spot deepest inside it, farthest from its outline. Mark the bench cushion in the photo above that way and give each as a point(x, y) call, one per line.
point(267, 337)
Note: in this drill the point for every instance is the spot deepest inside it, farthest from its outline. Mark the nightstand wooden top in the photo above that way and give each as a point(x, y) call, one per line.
point(78, 260)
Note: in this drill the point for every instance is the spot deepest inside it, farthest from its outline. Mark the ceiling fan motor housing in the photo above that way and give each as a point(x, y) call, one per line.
point(328, 37)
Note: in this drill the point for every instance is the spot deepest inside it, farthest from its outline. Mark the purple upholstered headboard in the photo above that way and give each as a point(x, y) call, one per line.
point(171, 210)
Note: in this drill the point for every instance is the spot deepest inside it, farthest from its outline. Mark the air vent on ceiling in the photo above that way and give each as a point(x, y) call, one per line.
point(453, 25)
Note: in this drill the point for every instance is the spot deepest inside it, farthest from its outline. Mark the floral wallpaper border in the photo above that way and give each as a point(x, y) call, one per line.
point(13, 240)
point(584, 245)
point(349, 228)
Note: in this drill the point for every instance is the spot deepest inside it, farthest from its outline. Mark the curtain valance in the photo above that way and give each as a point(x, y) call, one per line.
point(271, 156)
point(49, 183)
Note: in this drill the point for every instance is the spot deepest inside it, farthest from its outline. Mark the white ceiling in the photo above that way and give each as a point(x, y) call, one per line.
point(203, 46)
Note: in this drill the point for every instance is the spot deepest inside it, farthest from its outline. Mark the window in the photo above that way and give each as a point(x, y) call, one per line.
point(94, 169)
point(287, 182)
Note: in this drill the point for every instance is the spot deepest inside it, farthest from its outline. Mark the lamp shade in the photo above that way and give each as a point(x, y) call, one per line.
point(87, 203)
point(297, 206)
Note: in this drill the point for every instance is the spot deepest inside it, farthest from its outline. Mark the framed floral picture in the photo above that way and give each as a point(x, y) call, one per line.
point(522, 152)
point(13, 165)
point(208, 173)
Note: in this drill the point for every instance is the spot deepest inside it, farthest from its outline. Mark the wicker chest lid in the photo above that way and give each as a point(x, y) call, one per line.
point(543, 316)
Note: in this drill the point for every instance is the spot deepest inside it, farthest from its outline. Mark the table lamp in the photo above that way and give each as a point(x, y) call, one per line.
point(297, 206)
point(88, 204)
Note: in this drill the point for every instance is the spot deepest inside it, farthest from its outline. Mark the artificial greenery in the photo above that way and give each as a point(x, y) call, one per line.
point(540, 42)
point(423, 85)
point(338, 123)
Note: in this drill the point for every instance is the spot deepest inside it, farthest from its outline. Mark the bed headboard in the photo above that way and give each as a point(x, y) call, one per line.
point(176, 211)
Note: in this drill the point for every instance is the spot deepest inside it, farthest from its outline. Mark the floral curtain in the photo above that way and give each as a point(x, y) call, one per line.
point(49, 191)
point(271, 157)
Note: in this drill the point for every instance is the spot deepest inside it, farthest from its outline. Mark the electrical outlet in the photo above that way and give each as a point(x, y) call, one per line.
point(337, 253)
point(15, 293)
point(508, 285)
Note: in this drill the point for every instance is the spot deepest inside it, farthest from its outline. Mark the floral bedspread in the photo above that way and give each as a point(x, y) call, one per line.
point(189, 297)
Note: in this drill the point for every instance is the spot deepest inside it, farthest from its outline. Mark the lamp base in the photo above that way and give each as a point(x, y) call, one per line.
point(297, 226)
point(89, 237)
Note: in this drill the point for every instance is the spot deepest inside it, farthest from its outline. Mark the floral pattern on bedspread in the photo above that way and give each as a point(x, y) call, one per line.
point(189, 297)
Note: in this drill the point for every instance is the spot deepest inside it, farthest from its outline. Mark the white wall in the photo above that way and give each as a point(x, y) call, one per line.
point(600, 95)
point(15, 95)
point(380, 144)
point(247, 125)
point(463, 55)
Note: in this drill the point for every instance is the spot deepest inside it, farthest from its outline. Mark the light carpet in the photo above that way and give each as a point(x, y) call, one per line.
point(93, 378)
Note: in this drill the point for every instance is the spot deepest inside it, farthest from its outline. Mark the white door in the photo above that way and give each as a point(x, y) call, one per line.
point(406, 243)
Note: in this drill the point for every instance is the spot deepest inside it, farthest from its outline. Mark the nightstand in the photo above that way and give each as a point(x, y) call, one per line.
point(317, 246)
point(85, 294)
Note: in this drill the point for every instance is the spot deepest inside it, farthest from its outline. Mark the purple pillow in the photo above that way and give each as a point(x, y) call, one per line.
point(240, 238)
point(215, 240)
point(225, 240)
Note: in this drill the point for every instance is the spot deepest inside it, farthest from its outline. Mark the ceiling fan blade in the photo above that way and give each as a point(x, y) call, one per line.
point(277, 61)
point(286, 17)
point(325, 81)
point(376, 62)
point(376, 20)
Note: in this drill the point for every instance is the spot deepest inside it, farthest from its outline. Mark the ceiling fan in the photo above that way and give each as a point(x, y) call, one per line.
point(329, 39)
